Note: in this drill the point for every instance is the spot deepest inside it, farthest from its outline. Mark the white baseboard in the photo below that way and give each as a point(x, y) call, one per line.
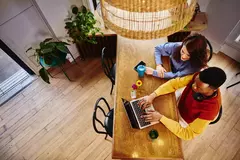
point(231, 52)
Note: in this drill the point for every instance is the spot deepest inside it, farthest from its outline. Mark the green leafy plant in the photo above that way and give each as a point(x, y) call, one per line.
point(50, 53)
point(81, 25)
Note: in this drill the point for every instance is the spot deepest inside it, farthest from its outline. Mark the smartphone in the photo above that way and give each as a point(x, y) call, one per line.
point(140, 63)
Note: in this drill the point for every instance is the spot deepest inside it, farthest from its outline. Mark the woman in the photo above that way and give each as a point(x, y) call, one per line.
point(186, 57)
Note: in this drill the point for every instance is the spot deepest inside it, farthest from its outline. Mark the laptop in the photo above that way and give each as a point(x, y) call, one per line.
point(134, 113)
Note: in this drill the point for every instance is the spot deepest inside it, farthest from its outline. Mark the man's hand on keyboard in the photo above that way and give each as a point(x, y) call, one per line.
point(147, 101)
point(152, 116)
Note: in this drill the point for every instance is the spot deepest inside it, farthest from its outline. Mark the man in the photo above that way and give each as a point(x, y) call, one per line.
point(198, 106)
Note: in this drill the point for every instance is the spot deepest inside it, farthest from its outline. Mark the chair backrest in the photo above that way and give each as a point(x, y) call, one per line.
point(108, 118)
point(107, 65)
point(218, 117)
point(210, 49)
point(178, 36)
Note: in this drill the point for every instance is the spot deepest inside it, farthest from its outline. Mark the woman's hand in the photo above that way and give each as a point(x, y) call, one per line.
point(160, 70)
point(152, 116)
point(147, 101)
point(149, 71)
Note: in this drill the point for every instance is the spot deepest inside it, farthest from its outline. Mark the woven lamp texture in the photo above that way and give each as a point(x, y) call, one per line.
point(147, 19)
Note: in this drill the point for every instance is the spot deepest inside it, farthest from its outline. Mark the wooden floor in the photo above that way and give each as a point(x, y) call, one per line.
point(55, 121)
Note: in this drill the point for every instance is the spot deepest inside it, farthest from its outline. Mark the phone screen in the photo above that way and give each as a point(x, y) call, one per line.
point(140, 63)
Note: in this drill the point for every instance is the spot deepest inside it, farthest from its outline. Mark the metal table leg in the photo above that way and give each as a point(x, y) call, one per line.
point(61, 66)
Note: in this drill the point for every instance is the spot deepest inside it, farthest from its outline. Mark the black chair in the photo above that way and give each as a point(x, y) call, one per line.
point(108, 120)
point(218, 117)
point(109, 67)
point(210, 49)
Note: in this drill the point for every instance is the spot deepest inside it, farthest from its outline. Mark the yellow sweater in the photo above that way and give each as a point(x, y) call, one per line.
point(193, 129)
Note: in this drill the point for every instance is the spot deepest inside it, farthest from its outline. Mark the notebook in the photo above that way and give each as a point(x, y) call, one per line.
point(134, 113)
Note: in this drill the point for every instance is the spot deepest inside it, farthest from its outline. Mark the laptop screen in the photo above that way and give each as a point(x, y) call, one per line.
point(130, 113)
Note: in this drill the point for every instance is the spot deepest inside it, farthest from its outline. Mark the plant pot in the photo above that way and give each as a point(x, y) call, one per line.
point(86, 49)
point(55, 61)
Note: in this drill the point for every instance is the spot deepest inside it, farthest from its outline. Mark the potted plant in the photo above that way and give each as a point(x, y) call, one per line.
point(81, 27)
point(50, 53)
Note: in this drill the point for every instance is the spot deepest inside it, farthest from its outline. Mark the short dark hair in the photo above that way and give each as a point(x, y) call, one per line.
point(213, 76)
point(196, 45)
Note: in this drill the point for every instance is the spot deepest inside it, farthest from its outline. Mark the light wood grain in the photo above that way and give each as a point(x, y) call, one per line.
point(135, 143)
point(49, 122)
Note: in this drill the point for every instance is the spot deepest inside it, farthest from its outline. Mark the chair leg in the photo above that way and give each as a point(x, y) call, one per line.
point(106, 136)
point(64, 72)
point(111, 89)
point(233, 84)
point(73, 58)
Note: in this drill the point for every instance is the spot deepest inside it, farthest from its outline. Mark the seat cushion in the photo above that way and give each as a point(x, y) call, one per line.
point(108, 123)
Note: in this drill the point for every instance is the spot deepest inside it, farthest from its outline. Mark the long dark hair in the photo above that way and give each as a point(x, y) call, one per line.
point(196, 45)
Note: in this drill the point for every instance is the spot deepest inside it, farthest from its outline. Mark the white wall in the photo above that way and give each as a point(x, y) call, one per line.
point(203, 5)
point(55, 11)
point(22, 24)
point(21, 27)
point(233, 36)
point(11, 8)
point(231, 47)
point(223, 15)
point(232, 52)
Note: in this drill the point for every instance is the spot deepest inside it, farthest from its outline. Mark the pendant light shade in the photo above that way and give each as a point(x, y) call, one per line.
point(147, 19)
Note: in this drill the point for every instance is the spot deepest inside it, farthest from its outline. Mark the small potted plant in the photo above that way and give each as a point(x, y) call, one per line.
point(49, 54)
point(81, 28)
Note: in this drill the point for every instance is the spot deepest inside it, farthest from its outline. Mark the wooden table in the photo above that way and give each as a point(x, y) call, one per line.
point(134, 143)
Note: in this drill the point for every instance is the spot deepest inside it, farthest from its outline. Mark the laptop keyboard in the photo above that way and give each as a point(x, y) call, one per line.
point(139, 112)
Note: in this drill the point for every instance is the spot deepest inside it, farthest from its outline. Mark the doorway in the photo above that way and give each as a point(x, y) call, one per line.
point(14, 74)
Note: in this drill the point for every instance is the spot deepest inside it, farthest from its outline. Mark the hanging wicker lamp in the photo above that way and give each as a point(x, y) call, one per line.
point(147, 19)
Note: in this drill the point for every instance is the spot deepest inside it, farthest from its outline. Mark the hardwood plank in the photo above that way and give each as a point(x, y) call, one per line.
point(92, 147)
point(101, 152)
point(109, 157)
point(230, 146)
point(66, 132)
point(69, 141)
point(44, 124)
point(74, 153)
point(28, 107)
point(24, 105)
point(10, 104)
point(36, 121)
point(237, 125)
point(54, 121)
point(222, 134)
point(237, 155)
point(210, 154)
